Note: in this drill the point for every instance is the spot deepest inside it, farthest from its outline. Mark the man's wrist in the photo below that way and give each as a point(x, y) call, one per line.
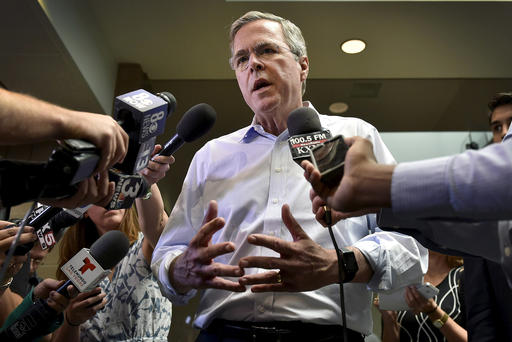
point(179, 288)
point(349, 265)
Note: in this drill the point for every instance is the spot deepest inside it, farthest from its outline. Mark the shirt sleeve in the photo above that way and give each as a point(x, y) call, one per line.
point(183, 223)
point(397, 259)
point(472, 185)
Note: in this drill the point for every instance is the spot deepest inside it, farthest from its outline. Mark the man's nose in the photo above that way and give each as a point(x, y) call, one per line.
point(255, 62)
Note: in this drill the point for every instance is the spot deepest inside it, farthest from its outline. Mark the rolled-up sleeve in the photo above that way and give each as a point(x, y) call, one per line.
point(397, 260)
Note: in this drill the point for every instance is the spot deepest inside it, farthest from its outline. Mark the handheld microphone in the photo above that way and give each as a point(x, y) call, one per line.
point(195, 123)
point(47, 223)
point(305, 133)
point(142, 115)
point(104, 254)
point(127, 189)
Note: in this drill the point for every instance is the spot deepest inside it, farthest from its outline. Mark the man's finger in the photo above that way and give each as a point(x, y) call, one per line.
point(268, 263)
point(271, 242)
point(224, 284)
point(211, 213)
point(217, 269)
point(351, 140)
point(292, 225)
point(214, 251)
point(260, 278)
point(204, 235)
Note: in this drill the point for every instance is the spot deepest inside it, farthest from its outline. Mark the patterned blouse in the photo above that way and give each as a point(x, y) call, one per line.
point(135, 309)
point(450, 298)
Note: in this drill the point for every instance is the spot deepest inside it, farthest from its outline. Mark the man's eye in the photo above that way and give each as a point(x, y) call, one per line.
point(269, 51)
point(241, 60)
point(497, 128)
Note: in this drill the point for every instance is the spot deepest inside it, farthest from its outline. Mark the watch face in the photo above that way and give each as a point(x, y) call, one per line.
point(437, 323)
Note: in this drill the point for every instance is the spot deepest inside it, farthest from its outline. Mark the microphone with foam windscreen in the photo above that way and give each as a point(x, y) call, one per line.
point(85, 270)
point(195, 123)
point(305, 133)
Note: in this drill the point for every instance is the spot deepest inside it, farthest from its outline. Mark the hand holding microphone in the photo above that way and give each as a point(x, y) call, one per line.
point(84, 306)
point(350, 196)
point(85, 270)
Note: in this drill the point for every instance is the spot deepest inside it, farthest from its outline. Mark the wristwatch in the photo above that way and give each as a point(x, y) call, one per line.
point(348, 264)
point(438, 323)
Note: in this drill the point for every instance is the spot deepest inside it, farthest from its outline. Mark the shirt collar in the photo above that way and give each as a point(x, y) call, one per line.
point(256, 129)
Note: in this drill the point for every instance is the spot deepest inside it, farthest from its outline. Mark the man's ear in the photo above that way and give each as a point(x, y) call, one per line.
point(304, 66)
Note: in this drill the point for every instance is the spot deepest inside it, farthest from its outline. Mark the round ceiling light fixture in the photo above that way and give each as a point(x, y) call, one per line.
point(353, 46)
point(338, 107)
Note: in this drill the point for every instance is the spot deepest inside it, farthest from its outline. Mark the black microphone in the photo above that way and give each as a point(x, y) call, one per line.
point(47, 223)
point(305, 133)
point(127, 189)
point(105, 253)
point(142, 115)
point(195, 123)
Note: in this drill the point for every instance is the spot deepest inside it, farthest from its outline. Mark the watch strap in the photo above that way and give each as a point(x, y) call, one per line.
point(439, 323)
point(348, 264)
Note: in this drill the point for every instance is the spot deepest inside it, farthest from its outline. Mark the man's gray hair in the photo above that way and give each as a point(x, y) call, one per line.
point(292, 34)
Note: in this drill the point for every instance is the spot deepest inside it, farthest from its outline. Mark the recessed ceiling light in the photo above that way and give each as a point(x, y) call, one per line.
point(338, 107)
point(353, 46)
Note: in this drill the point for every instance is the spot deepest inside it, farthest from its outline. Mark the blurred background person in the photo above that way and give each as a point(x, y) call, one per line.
point(441, 318)
point(12, 305)
point(133, 308)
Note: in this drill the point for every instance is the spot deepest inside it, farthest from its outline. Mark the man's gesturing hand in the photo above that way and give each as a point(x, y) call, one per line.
point(303, 264)
point(195, 268)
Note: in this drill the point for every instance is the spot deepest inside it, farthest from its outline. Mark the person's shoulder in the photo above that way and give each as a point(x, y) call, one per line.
point(347, 123)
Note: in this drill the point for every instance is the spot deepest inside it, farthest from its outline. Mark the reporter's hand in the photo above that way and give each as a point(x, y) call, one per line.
point(352, 194)
point(85, 305)
point(417, 302)
point(101, 130)
point(157, 166)
point(195, 268)
point(96, 190)
point(318, 205)
point(7, 236)
point(303, 264)
point(47, 290)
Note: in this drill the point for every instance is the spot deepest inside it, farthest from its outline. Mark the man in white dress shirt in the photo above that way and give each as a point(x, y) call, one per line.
point(232, 227)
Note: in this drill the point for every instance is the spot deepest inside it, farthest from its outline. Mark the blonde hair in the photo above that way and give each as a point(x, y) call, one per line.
point(84, 233)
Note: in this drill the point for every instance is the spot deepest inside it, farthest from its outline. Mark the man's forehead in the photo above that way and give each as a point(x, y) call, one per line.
point(502, 112)
point(256, 32)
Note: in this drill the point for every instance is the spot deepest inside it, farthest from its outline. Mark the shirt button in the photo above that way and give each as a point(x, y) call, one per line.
point(278, 169)
point(274, 200)
point(261, 309)
point(507, 251)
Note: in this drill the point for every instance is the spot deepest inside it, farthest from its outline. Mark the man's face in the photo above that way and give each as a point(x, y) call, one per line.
point(271, 83)
point(500, 122)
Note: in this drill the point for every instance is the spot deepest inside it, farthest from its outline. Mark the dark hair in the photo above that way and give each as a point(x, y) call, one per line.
point(498, 100)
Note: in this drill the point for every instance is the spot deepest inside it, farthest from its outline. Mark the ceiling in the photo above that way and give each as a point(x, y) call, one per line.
point(428, 66)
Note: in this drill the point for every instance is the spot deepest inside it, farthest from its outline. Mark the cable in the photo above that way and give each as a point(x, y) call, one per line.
point(15, 242)
point(328, 220)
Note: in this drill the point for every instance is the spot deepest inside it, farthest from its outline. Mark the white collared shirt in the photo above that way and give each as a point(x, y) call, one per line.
point(251, 174)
